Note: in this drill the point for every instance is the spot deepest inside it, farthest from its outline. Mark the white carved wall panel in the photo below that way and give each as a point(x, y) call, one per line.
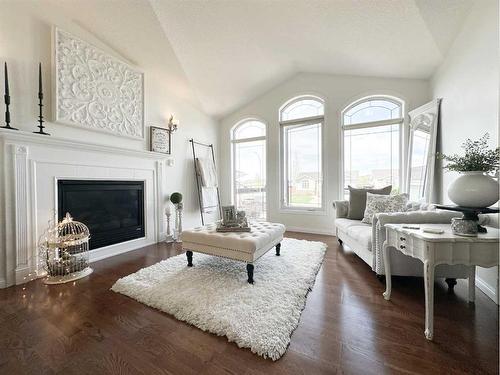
point(95, 90)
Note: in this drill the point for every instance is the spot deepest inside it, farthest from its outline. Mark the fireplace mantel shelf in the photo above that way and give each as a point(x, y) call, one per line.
point(22, 136)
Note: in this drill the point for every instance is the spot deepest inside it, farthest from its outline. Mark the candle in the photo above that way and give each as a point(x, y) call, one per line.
point(6, 81)
point(40, 90)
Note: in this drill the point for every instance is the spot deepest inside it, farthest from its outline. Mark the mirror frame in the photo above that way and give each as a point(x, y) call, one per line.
point(429, 110)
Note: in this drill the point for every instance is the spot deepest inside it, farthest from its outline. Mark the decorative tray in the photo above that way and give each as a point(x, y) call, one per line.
point(221, 228)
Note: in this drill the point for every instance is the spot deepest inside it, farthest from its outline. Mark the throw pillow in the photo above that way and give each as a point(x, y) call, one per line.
point(376, 203)
point(357, 200)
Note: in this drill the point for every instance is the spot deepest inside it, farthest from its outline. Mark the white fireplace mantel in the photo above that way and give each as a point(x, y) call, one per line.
point(32, 164)
point(51, 141)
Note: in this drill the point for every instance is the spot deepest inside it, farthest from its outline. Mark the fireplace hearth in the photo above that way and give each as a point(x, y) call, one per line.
point(112, 210)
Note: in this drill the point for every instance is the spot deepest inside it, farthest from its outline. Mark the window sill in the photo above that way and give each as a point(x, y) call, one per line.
point(301, 211)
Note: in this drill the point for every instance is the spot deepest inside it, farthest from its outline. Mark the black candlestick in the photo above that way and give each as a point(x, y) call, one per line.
point(40, 103)
point(40, 90)
point(7, 101)
point(6, 79)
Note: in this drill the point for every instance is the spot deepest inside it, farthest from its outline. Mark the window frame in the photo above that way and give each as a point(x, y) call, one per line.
point(372, 124)
point(234, 142)
point(285, 207)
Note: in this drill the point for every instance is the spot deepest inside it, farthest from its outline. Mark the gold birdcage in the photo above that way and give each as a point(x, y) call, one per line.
point(65, 251)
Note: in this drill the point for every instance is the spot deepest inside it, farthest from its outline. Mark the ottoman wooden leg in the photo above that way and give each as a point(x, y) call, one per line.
point(451, 284)
point(250, 273)
point(189, 255)
point(278, 248)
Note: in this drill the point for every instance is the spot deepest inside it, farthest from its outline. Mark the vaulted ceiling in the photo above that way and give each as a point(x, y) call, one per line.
point(233, 51)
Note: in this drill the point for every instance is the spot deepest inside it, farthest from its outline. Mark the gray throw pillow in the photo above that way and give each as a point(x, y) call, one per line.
point(357, 200)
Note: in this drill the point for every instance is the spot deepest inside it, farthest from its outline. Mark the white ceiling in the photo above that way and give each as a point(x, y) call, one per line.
point(233, 51)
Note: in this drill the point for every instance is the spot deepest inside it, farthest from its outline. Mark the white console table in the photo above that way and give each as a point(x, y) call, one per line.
point(434, 249)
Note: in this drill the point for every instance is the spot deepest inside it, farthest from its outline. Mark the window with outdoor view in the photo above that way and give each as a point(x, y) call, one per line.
point(248, 140)
point(372, 129)
point(301, 122)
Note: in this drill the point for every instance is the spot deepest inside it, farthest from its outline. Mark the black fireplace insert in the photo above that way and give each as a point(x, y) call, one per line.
point(112, 210)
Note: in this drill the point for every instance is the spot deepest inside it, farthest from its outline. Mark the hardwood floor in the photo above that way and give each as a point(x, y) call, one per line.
point(346, 327)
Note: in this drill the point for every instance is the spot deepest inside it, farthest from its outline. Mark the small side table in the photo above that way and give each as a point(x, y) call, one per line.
point(434, 249)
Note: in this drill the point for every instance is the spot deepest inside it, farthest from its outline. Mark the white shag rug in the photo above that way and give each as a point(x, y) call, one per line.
point(214, 294)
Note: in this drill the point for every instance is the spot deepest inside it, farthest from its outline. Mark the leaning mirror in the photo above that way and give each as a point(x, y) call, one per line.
point(421, 151)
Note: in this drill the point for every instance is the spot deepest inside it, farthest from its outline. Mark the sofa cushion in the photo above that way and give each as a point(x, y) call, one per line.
point(362, 234)
point(358, 231)
point(344, 224)
point(357, 200)
point(376, 203)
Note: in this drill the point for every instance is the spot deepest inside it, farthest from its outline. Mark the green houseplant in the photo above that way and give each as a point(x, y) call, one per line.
point(475, 187)
point(478, 157)
point(176, 198)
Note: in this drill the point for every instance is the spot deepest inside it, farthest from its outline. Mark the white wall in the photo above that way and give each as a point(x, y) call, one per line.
point(130, 30)
point(338, 92)
point(467, 81)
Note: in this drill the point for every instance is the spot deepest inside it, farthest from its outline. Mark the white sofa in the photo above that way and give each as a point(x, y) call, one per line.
point(366, 241)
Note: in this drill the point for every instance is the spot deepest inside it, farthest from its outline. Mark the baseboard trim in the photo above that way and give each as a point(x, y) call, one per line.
point(24, 275)
point(486, 289)
point(113, 250)
point(311, 231)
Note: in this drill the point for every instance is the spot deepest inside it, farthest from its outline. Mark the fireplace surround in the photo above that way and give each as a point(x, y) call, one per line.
point(30, 173)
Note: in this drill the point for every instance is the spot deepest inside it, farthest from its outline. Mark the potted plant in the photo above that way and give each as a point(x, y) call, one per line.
point(475, 187)
point(176, 199)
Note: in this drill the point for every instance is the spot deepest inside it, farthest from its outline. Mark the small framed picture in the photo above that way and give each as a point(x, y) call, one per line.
point(228, 215)
point(159, 140)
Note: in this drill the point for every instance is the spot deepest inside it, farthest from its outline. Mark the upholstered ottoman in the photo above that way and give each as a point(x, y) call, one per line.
point(243, 246)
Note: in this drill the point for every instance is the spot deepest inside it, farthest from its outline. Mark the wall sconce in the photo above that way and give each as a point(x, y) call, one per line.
point(173, 123)
point(161, 138)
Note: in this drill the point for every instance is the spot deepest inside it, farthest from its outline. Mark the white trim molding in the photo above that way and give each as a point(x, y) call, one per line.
point(487, 289)
point(23, 239)
point(324, 232)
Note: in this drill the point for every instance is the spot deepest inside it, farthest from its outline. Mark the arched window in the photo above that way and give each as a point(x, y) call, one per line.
point(301, 123)
point(302, 108)
point(248, 139)
point(372, 134)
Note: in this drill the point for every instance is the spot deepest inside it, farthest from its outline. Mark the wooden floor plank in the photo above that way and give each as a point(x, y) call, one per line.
point(345, 328)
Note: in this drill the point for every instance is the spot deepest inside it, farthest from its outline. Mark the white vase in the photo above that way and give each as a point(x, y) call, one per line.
point(474, 189)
